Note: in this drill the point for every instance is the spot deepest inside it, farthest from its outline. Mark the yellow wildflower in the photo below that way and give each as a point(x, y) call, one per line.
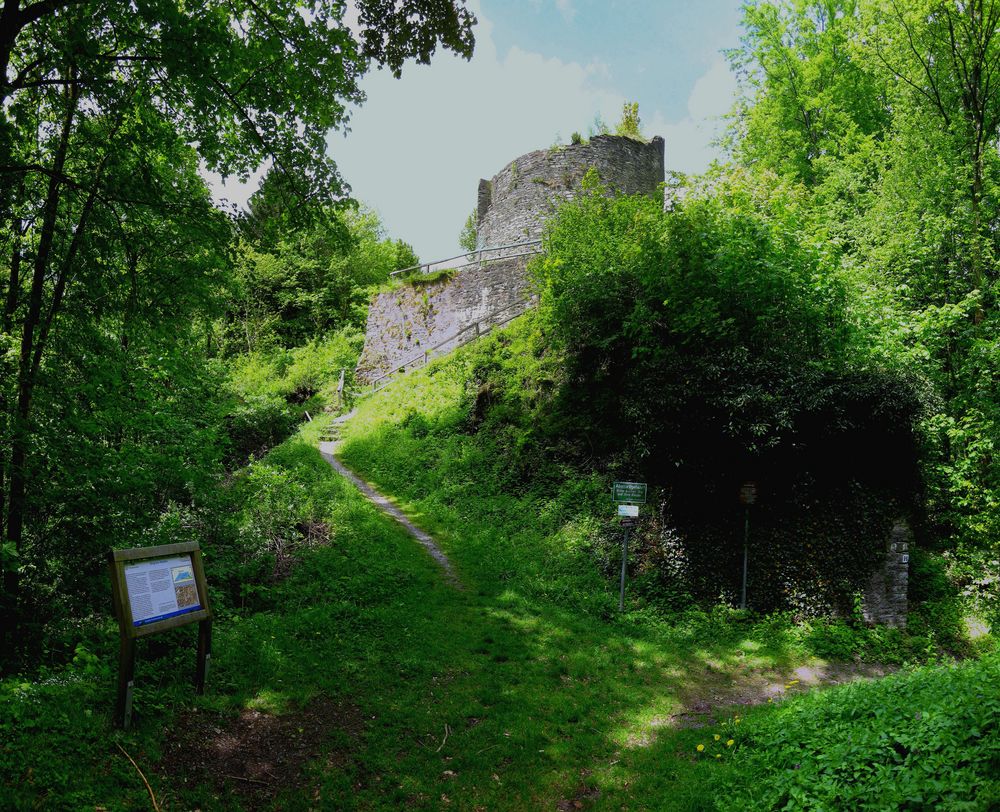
point(717, 737)
point(718, 755)
point(700, 747)
point(730, 743)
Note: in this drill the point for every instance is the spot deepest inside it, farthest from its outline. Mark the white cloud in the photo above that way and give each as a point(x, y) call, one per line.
point(565, 8)
point(419, 145)
point(689, 141)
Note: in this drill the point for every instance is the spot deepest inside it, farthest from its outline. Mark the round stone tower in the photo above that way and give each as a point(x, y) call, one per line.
point(514, 205)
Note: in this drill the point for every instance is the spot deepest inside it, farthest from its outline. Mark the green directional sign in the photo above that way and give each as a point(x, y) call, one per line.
point(633, 493)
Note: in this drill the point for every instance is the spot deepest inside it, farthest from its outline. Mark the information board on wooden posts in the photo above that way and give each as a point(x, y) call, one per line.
point(158, 588)
point(155, 589)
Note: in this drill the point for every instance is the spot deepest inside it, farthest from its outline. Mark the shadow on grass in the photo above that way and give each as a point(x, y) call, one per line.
point(496, 698)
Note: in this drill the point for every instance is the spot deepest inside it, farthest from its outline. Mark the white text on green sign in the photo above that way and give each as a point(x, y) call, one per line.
point(631, 492)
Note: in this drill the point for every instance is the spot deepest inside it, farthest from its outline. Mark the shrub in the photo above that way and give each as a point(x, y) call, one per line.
point(715, 344)
point(928, 739)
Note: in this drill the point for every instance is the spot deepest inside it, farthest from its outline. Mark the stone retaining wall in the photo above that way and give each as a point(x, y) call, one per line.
point(513, 207)
point(406, 322)
point(885, 599)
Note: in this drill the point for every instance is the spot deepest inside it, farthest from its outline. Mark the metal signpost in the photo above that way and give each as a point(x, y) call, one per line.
point(155, 589)
point(628, 495)
point(748, 495)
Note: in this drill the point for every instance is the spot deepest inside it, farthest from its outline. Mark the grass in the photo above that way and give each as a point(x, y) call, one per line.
point(525, 690)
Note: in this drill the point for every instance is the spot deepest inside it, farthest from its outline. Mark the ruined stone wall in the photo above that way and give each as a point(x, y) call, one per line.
point(514, 205)
point(406, 322)
point(885, 599)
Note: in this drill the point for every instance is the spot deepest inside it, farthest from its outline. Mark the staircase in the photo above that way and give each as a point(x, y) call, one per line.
point(332, 433)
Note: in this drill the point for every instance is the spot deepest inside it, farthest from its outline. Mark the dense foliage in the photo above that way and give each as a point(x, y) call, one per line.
point(717, 344)
point(885, 117)
point(922, 740)
point(116, 266)
point(313, 280)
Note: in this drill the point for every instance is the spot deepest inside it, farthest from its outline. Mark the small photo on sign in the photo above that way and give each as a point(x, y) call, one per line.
point(184, 588)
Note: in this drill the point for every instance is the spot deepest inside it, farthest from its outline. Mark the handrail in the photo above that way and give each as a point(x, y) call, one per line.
point(468, 254)
point(424, 355)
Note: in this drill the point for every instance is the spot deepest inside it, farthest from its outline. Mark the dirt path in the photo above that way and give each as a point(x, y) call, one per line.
point(386, 506)
point(712, 693)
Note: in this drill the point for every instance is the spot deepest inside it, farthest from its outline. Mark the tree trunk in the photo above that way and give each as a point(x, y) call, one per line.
point(20, 425)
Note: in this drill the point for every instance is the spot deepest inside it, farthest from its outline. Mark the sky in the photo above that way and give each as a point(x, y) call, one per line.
point(542, 69)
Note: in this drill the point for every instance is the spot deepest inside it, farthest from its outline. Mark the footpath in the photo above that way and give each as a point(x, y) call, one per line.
point(328, 448)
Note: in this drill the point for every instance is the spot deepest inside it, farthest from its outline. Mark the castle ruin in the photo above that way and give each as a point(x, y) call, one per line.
point(428, 316)
point(431, 316)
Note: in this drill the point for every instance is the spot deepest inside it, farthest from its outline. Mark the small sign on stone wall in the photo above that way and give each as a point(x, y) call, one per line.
point(885, 599)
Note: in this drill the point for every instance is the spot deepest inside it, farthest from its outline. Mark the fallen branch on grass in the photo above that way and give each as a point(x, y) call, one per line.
point(152, 796)
point(447, 730)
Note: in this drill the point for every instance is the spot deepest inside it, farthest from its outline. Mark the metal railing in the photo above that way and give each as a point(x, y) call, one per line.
point(427, 267)
point(471, 332)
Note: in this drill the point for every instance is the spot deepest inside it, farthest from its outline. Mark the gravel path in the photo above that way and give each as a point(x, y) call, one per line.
point(386, 506)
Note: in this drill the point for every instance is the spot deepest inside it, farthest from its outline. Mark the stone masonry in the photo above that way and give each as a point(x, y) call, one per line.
point(406, 322)
point(512, 207)
point(885, 599)
point(515, 204)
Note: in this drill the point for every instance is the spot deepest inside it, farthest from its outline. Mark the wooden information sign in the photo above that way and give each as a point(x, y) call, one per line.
point(748, 493)
point(155, 589)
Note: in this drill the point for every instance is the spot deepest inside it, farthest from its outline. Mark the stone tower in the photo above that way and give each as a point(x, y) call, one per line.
point(417, 320)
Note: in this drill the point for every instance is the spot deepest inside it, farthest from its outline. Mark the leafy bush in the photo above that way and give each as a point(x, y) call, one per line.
point(272, 391)
point(468, 236)
point(928, 739)
point(715, 344)
point(287, 290)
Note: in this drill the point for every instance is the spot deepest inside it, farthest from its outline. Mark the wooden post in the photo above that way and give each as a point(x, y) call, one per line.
point(204, 654)
point(126, 682)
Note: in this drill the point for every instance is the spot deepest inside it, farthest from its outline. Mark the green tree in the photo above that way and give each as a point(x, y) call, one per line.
point(629, 125)
point(467, 239)
point(97, 100)
point(310, 281)
point(946, 60)
point(889, 113)
point(807, 96)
